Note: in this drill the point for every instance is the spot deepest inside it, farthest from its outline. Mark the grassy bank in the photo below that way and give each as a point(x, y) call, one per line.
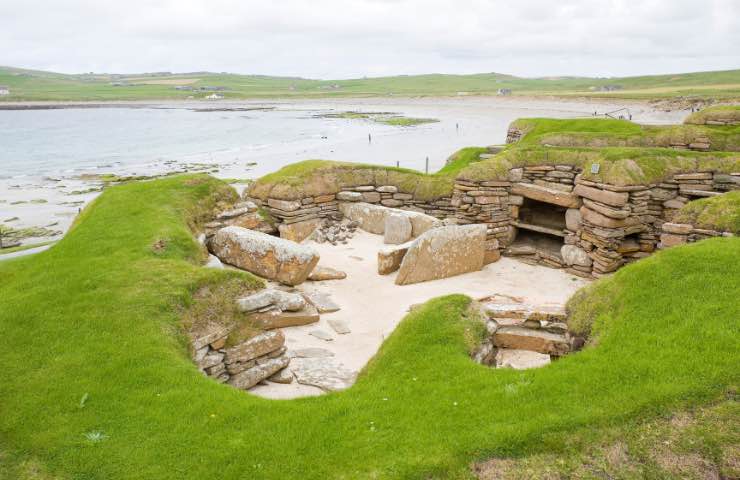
point(321, 177)
point(98, 383)
point(720, 213)
point(29, 85)
point(623, 133)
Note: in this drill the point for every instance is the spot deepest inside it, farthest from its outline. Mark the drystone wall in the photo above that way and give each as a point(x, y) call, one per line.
point(591, 229)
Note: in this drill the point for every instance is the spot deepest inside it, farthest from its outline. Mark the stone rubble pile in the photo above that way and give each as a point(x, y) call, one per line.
point(334, 231)
point(222, 354)
point(243, 214)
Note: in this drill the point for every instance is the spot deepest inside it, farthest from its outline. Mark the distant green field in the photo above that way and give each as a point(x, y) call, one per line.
point(33, 85)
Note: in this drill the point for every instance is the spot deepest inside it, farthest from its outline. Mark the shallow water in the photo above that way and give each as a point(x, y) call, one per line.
point(44, 152)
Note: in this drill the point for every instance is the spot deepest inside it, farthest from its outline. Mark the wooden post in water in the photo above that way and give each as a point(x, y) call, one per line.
point(426, 168)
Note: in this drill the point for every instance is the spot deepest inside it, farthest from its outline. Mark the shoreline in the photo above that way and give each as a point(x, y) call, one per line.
point(175, 103)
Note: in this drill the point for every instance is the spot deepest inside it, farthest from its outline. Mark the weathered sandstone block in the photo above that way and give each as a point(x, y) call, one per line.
point(678, 228)
point(256, 346)
point(444, 252)
point(573, 219)
point(299, 231)
point(545, 194)
point(617, 199)
point(285, 301)
point(528, 339)
point(397, 229)
point(573, 255)
point(264, 255)
point(276, 318)
point(390, 258)
point(325, 273)
point(253, 376)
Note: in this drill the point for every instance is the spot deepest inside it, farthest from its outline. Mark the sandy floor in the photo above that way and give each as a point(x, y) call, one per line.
point(372, 305)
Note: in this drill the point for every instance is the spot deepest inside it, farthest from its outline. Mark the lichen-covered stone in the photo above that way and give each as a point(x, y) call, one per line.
point(255, 347)
point(275, 318)
point(390, 258)
point(264, 255)
point(617, 199)
point(285, 301)
point(397, 229)
point(320, 274)
point(573, 255)
point(299, 231)
point(443, 252)
point(252, 376)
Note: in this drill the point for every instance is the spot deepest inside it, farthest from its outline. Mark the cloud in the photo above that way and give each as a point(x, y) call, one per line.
point(352, 38)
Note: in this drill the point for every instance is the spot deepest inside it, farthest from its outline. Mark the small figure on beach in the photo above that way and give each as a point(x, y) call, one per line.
point(369, 138)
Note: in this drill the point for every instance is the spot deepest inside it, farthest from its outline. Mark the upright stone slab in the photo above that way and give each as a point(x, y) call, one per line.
point(444, 252)
point(299, 231)
point(264, 255)
point(370, 218)
point(397, 229)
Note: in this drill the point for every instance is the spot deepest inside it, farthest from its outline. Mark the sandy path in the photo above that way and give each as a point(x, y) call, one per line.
point(372, 305)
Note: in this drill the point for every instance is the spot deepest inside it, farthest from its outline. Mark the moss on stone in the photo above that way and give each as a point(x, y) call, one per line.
point(721, 213)
point(617, 166)
point(321, 177)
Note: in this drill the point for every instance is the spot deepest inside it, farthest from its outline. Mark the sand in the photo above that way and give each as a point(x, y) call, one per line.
point(373, 305)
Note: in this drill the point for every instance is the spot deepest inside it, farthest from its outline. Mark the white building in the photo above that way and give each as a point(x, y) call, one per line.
point(214, 96)
point(4, 90)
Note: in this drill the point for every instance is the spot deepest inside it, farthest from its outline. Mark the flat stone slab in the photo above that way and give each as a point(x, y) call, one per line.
point(276, 318)
point(311, 352)
point(520, 359)
point(522, 338)
point(322, 301)
point(214, 262)
point(284, 376)
point(285, 301)
point(339, 326)
point(320, 274)
point(321, 335)
point(324, 373)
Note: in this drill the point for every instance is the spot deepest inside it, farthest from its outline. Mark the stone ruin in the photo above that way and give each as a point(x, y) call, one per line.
point(541, 214)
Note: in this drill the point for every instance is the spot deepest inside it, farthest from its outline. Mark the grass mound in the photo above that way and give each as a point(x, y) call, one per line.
point(721, 213)
point(320, 177)
point(617, 166)
point(97, 381)
point(721, 113)
point(622, 133)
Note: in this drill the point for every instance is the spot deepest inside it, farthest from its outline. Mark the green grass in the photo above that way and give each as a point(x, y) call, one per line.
point(92, 343)
point(720, 213)
point(27, 85)
point(320, 177)
point(724, 113)
point(622, 133)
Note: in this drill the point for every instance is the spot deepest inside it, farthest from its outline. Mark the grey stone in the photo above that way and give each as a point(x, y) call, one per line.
point(321, 335)
point(325, 273)
point(443, 252)
point(256, 346)
point(339, 326)
point(214, 262)
point(397, 229)
point(324, 373)
point(253, 376)
point(520, 359)
point(284, 376)
point(349, 196)
point(285, 301)
point(311, 352)
point(573, 219)
point(264, 255)
point(322, 301)
point(573, 255)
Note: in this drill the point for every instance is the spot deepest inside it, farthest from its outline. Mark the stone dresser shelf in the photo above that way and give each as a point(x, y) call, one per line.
point(538, 228)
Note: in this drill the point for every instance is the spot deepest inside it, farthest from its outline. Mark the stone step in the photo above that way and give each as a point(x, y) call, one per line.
point(520, 359)
point(522, 338)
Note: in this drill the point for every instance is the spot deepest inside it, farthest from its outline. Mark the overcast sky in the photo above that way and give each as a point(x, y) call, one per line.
point(354, 38)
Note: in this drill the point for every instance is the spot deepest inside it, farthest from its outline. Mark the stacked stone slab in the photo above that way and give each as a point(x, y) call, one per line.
point(524, 336)
point(243, 365)
point(243, 214)
point(680, 233)
point(309, 208)
point(607, 226)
